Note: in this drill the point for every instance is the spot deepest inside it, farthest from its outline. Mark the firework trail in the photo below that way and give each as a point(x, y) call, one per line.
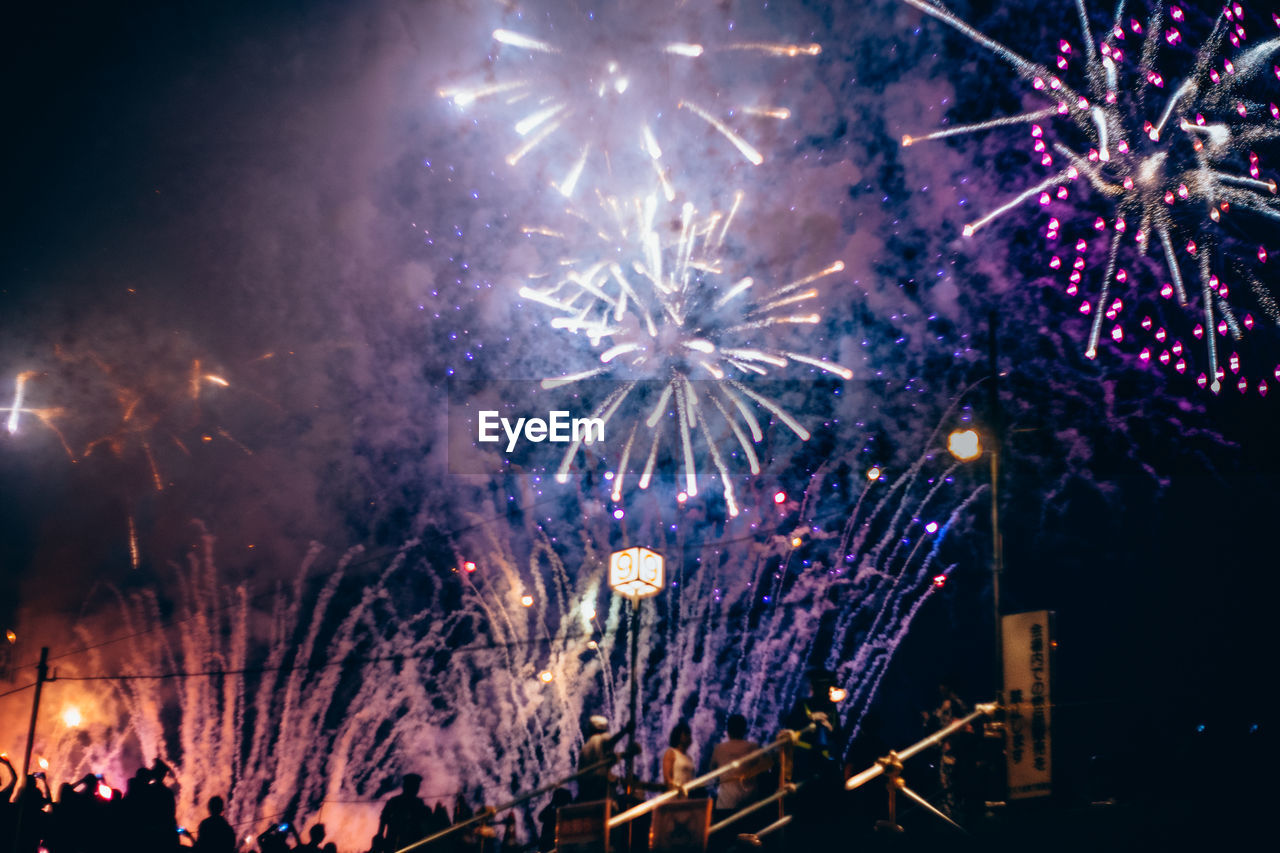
point(664, 315)
point(306, 701)
point(19, 392)
point(157, 401)
point(1173, 162)
point(747, 622)
point(128, 410)
point(595, 87)
point(253, 706)
point(46, 415)
point(309, 701)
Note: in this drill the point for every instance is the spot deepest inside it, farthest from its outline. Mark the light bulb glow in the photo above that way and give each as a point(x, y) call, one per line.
point(964, 445)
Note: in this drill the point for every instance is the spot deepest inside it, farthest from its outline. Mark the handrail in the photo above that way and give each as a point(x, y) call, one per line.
point(773, 827)
point(786, 738)
point(878, 768)
point(488, 812)
point(785, 791)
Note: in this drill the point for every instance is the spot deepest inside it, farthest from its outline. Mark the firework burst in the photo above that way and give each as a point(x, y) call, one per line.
point(368, 666)
point(137, 406)
point(594, 88)
point(1173, 162)
point(137, 412)
point(47, 415)
point(678, 336)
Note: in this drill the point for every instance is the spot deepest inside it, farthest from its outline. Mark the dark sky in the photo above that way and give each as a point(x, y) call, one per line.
point(277, 191)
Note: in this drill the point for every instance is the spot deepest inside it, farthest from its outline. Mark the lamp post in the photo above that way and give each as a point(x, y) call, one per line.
point(966, 446)
point(635, 573)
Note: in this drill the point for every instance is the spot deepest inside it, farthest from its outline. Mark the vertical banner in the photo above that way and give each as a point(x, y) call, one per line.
point(583, 827)
point(1027, 646)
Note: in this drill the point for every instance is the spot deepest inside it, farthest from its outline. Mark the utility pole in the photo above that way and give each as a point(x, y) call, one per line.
point(42, 675)
point(997, 539)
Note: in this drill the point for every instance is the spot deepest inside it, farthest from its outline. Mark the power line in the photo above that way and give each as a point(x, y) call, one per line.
point(483, 647)
point(754, 535)
point(374, 557)
point(18, 689)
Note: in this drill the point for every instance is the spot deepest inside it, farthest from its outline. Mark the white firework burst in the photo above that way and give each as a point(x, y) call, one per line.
point(677, 335)
point(592, 88)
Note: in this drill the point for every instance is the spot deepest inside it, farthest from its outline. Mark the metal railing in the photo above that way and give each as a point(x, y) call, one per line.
point(488, 812)
point(784, 790)
point(891, 766)
point(787, 738)
point(877, 769)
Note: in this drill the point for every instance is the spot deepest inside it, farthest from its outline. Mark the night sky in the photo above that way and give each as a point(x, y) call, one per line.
point(278, 191)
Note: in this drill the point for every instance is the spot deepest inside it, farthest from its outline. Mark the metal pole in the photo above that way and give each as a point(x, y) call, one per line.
point(635, 684)
point(42, 674)
point(635, 668)
point(997, 539)
point(881, 765)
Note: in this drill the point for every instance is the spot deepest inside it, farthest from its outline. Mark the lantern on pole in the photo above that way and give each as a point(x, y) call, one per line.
point(635, 573)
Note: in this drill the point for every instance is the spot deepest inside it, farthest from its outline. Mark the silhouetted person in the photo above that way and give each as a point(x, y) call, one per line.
point(114, 829)
point(817, 753)
point(65, 816)
point(6, 793)
point(465, 839)
point(151, 810)
point(214, 834)
point(956, 756)
point(510, 841)
point(869, 804)
point(315, 839)
point(816, 750)
point(76, 822)
point(276, 838)
point(404, 818)
point(7, 808)
point(547, 817)
point(28, 813)
point(597, 784)
point(162, 806)
point(439, 819)
point(738, 787)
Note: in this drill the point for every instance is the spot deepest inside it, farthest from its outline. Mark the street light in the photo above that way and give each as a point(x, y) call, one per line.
point(966, 446)
point(635, 573)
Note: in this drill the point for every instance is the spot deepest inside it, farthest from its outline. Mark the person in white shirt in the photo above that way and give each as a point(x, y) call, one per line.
point(677, 766)
point(738, 787)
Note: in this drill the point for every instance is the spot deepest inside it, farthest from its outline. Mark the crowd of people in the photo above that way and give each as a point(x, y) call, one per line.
point(89, 816)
